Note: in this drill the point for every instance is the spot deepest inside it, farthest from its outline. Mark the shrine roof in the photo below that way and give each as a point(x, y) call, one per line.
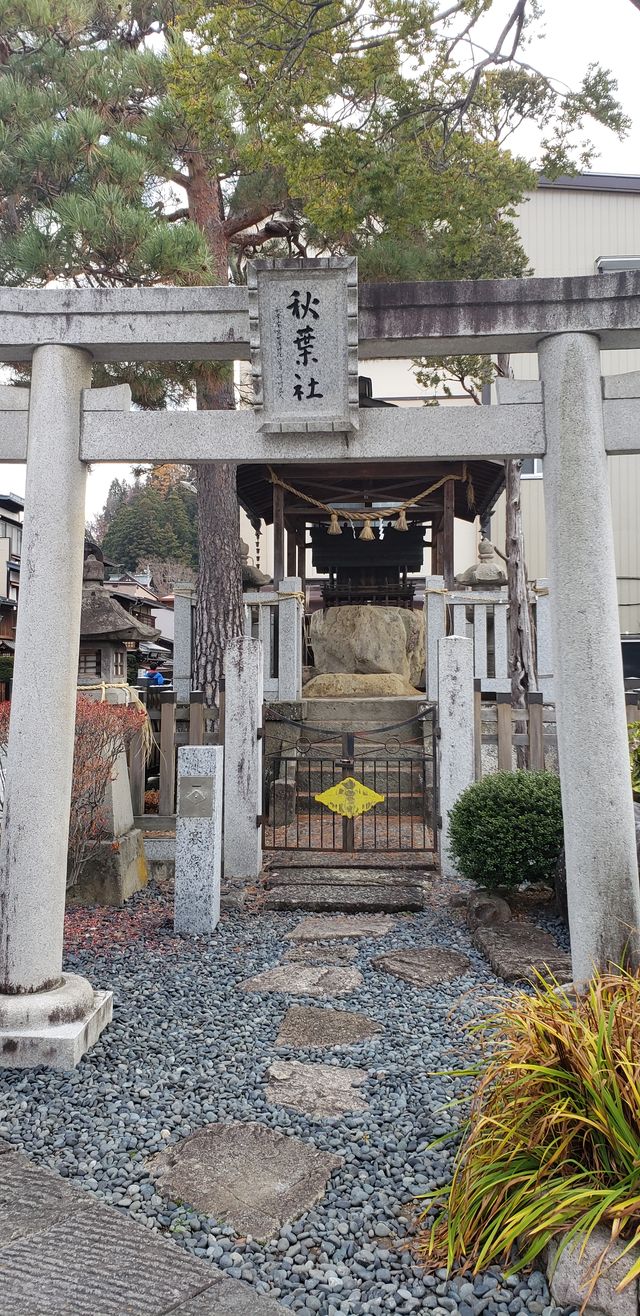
point(336, 483)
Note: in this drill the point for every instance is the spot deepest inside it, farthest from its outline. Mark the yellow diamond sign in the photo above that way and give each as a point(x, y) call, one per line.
point(350, 798)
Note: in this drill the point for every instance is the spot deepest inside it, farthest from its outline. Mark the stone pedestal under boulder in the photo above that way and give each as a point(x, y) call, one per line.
point(355, 685)
point(366, 639)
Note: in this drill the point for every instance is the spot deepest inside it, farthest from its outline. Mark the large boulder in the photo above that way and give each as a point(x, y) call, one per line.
point(367, 639)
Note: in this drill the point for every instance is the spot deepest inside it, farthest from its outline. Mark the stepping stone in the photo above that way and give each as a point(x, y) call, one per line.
point(247, 1175)
point(314, 952)
point(305, 980)
point(230, 1297)
point(322, 1091)
point(518, 951)
point(64, 1254)
point(343, 925)
point(423, 966)
point(307, 1026)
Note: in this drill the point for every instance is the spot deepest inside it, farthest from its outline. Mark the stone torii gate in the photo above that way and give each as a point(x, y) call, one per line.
point(60, 425)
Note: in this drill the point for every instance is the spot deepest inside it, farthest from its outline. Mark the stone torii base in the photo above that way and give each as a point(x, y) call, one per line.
point(571, 419)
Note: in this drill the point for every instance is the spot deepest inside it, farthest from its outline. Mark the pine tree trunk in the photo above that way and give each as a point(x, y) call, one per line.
point(219, 589)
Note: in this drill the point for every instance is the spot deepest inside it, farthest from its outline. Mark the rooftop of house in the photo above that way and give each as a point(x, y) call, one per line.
point(593, 182)
point(11, 503)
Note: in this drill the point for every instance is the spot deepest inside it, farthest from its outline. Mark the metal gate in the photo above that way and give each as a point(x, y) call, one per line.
point(353, 792)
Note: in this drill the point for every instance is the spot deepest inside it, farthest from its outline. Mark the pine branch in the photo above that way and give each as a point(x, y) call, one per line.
point(248, 218)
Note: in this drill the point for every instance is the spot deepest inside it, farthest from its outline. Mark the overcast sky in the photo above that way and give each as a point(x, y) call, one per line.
point(576, 33)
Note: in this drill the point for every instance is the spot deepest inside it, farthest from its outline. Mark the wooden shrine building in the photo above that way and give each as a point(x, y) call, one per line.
point(348, 515)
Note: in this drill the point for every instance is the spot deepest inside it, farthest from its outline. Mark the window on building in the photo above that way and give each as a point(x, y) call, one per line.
point(531, 468)
point(118, 663)
point(90, 663)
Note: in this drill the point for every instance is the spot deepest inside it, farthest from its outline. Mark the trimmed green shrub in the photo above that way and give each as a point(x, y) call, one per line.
point(507, 829)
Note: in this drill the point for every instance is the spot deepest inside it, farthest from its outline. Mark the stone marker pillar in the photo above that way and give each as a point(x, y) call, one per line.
point(290, 611)
point(455, 709)
point(198, 839)
point(243, 759)
point(182, 631)
point(45, 1018)
point(602, 872)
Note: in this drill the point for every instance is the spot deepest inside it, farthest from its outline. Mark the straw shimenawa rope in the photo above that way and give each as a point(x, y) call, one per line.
point(352, 514)
point(147, 738)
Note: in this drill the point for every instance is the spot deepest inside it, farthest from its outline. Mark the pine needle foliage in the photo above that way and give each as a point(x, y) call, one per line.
point(552, 1146)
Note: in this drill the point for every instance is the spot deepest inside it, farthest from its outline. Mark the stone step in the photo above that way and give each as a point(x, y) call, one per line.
point(364, 752)
point(361, 726)
point(338, 877)
point(407, 894)
point(364, 714)
point(399, 706)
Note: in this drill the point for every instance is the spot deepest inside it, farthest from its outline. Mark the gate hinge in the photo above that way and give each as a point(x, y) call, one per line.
point(260, 819)
point(439, 822)
point(260, 733)
point(438, 733)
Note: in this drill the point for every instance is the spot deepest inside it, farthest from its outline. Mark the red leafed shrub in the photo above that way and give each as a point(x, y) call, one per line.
point(102, 731)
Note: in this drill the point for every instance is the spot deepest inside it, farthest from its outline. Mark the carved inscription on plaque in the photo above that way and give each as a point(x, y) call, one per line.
point(304, 344)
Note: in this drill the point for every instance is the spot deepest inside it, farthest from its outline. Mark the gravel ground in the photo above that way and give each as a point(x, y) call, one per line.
point(186, 1048)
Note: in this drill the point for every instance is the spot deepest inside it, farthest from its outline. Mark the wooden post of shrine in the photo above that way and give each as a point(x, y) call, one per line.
point(302, 558)
point(278, 535)
point(447, 533)
point(291, 552)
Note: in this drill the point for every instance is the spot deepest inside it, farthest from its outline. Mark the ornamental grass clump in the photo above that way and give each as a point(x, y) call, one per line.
point(552, 1145)
point(506, 829)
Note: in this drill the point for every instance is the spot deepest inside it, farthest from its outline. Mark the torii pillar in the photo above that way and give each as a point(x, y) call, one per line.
point(46, 1017)
point(603, 894)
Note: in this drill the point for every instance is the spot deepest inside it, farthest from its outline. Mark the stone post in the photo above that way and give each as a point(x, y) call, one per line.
point(455, 707)
point(182, 633)
point(243, 759)
point(435, 622)
point(602, 871)
point(198, 839)
point(33, 852)
point(290, 610)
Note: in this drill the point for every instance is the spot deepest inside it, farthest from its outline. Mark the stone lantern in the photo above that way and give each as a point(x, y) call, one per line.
point(107, 631)
point(486, 573)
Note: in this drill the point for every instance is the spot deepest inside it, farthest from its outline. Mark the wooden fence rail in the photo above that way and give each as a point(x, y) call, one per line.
point(173, 724)
point(506, 738)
